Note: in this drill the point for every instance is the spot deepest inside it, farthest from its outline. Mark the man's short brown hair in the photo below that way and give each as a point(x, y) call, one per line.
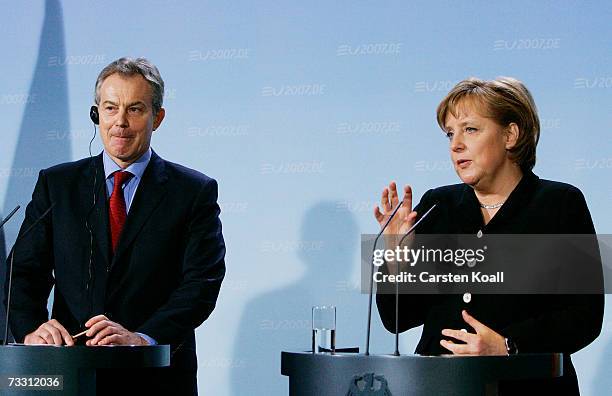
point(506, 100)
point(130, 67)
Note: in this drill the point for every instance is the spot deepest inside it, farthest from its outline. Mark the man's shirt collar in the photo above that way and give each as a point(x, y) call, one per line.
point(136, 168)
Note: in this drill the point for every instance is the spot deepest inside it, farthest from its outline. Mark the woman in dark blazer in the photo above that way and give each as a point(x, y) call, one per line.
point(493, 130)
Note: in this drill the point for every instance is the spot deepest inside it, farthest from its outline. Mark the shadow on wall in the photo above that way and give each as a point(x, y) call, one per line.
point(281, 319)
point(603, 377)
point(45, 119)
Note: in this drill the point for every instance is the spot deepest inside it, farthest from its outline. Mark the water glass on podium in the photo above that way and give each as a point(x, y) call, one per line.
point(324, 329)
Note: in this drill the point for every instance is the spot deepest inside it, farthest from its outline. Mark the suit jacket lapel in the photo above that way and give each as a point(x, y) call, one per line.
point(469, 211)
point(151, 190)
point(92, 185)
point(518, 198)
point(97, 215)
point(469, 208)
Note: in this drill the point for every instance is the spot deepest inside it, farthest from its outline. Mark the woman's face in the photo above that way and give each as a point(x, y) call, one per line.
point(477, 146)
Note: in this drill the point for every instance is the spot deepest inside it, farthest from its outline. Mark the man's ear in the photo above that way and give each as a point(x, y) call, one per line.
point(159, 118)
point(512, 135)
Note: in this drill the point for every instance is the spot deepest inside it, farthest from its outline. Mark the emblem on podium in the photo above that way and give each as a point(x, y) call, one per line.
point(368, 384)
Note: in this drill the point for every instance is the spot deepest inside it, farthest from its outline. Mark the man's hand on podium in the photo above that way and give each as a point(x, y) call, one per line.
point(485, 342)
point(49, 333)
point(107, 332)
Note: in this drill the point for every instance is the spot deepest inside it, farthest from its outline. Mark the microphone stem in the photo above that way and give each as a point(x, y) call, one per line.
point(8, 298)
point(367, 349)
point(396, 353)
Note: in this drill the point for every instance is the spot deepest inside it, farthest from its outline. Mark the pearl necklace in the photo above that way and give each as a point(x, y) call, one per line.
point(494, 206)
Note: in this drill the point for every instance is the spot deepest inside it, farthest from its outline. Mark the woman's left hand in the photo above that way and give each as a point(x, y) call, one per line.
point(484, 342)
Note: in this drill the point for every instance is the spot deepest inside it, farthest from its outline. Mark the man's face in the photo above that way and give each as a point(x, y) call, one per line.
point(126, 117)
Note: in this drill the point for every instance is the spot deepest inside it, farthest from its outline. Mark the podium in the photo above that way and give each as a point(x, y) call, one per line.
point(76, 365)
point(340, 374)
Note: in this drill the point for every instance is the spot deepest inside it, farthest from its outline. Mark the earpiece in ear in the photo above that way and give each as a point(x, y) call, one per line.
point(93, 114)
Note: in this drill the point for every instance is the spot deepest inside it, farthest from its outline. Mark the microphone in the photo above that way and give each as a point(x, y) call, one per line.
point(367, 349)
point(7, 218)
point(2, 223)
point(396, 353)
point(10, 274)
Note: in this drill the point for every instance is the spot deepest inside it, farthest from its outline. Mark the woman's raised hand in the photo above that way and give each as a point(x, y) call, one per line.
point(405, 217)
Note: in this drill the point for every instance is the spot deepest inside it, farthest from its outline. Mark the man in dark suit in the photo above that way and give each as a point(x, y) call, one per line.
point(133, 244)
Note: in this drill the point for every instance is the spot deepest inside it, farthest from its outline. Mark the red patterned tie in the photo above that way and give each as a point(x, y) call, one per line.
point(117, 212)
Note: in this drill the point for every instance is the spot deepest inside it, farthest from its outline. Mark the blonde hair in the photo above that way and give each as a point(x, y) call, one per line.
point(506, 100)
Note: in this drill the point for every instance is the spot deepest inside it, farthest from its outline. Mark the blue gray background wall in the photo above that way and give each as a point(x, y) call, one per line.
point(303, 111)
